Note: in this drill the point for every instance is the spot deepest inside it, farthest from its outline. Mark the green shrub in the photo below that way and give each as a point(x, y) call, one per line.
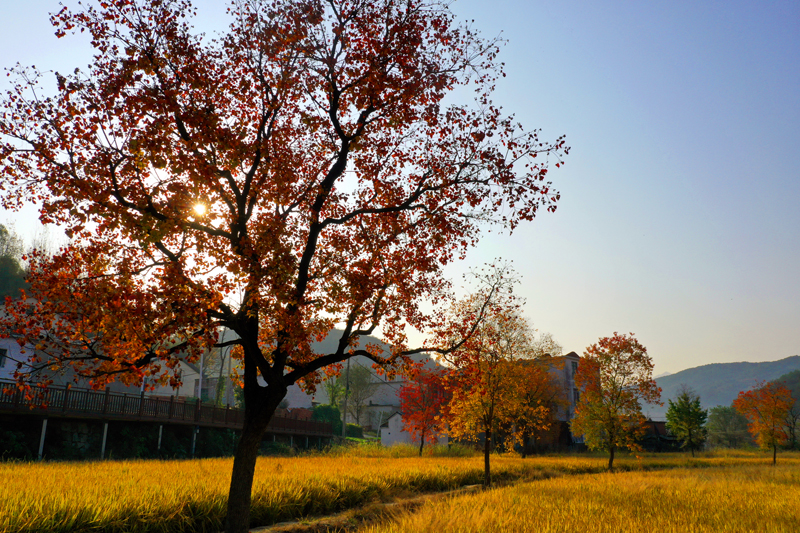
point(329, 414)
point(355, 431)
point(13, 445)
point(215, 442)
point(274, 448)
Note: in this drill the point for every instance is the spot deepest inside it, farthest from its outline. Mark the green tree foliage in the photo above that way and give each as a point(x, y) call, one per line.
point(361, 389)
point(686, 419)
point(792, 382)
point(12, 273)
point(334, 387)
point(330, 414)
point(727, 428)
point(355, 431)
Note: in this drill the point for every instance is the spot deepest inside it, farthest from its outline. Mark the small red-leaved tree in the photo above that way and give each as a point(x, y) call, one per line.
point(422, 399)
point(614, 378)
point(302, 171)
point(765, 407)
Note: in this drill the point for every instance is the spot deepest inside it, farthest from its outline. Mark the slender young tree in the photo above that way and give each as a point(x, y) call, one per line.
point(727, 427)
point(361, 388)
point(686, 419)
point(489, 380)
point(766, 406)
point(423, 399)
point(614, 376)
point(301, 171)
point(792, 424)
point(335, 390)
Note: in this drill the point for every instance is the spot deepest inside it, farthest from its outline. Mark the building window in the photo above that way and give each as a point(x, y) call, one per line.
point(574, 367)
point(3, 354)
point(576, 395)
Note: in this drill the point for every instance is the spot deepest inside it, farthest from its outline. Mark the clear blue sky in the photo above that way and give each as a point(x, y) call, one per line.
point(679, 218)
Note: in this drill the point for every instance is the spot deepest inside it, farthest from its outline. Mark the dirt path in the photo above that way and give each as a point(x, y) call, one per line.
point(352, 519)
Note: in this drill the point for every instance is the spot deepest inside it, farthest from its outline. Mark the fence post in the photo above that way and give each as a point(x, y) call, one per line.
point(141, 404)
point(105, 402)
point(197, 411)
point(103, 446)
point(195, 431)
point(171, 405)
point(41, 438)
point(65, 399)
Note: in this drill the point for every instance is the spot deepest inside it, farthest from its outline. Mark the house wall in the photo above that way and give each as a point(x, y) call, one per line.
point(9, 355)
point(563, 369)
point(393, 432)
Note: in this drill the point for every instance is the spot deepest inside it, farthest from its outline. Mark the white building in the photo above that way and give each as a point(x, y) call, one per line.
point(392, 432)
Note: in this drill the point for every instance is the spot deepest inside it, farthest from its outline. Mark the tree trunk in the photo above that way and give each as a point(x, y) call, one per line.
point(691, 448)
point(525, 439)
point(611, 458)
point(487, 448)
point(260, 404)
point(774, 454)
point(244, 465)
point(421, 443)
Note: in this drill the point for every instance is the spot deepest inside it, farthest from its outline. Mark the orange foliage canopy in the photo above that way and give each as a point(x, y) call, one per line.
point(498, 392)
point(765, 407)
point(614, 377)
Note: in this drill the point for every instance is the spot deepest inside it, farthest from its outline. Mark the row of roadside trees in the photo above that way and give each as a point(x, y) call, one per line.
point(499, 387)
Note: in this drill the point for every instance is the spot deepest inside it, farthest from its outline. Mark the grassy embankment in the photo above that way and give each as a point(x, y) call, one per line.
point(727, 499)
point(167, 496)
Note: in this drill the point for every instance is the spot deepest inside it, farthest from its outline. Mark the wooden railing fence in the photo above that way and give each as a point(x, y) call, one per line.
point(106, 405)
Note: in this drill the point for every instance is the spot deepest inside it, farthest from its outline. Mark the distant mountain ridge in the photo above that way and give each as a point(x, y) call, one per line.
point(719, 383)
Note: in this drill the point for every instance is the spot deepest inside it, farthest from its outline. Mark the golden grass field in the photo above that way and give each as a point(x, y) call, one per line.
point(743, 498)
point(190, 495)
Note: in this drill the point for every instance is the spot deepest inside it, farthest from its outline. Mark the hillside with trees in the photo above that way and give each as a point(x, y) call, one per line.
point(719, 383)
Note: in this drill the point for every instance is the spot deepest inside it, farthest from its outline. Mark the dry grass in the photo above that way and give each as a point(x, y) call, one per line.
point(167, 496)
point(746, 497)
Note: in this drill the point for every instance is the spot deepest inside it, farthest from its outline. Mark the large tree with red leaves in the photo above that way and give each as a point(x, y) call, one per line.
point(299, 172)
